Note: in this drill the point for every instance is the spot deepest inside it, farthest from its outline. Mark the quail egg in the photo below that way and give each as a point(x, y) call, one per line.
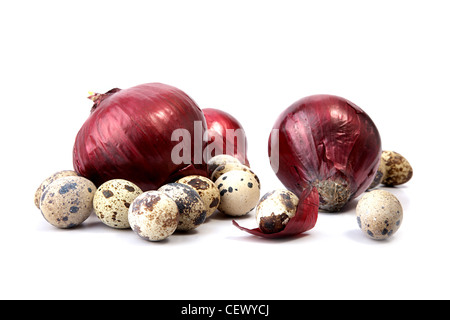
point(112, 201)
point(275, 209)
point(153, 215)
point(379, 214)
point(398, 169)
point(191, 209)
point(379, 176)
point(46, 182)
point(67, 201)
point(224, 168)
point(219, 160)
point(239, 192)
point(206, 189)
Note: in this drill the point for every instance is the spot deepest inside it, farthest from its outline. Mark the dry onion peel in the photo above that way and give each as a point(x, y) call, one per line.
point(305, 217)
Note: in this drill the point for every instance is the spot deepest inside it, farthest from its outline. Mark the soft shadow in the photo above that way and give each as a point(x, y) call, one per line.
point(358, 236)
point(91, 223)
point(184, 233)
point(349, 208)
point(145, 242)
point(94, 223)
point(255, 239)
point(218, 215)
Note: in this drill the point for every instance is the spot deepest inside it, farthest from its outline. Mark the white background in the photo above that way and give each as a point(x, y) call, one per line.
point(252, 59)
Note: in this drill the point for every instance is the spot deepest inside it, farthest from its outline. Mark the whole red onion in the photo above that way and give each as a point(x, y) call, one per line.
point(327, 142)
point(129, 135)
point(222, 125)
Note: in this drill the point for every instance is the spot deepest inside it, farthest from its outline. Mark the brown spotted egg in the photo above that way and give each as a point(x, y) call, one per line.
point(153, 216)
point(46, 182)
point(239, 192)
point(275, 209)
point(379, 214)
point(219, 160)
point(398, 169)
point(206, 189)
point(112, 201)
point(191, 209)
point(67, 201)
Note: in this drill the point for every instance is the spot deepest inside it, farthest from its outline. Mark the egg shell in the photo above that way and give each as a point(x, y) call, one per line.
point(206, 189)
point(275, 209)
point(192, 212)
point(46, 182)
point(224, 168)
point(67, 202)
point(379, 214)
point(219, 160)
point(398, 169)
point(112, 201)
point(239, 192)
point(153, 216)
point(380, 175)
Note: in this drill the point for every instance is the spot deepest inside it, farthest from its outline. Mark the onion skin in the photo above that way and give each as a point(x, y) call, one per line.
point(218, 122)
point(304, 219)
point(328, 142)
point(128, 136)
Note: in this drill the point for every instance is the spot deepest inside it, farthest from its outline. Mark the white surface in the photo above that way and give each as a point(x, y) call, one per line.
point(251, 59)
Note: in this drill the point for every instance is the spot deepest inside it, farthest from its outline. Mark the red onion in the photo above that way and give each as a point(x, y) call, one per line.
point(225, 127)
point(305, 217)
point(327, 142)
point(130, 135)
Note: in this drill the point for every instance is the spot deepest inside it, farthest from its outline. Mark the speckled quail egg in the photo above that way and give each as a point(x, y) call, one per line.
point(239, 192)
point(112, 201)
point(379, 214)
point(153, 215)
point(224, 168)
point(67, 201)
point(206, 189)
point(380, 175)
point(398, 169)
point(275, 209)
point(46, 182)
point(191, 209)
point(219, 160)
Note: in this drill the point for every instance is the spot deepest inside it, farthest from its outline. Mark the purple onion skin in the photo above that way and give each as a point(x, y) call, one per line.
point(327, 142)
point(128, 135)
point(305, 217)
